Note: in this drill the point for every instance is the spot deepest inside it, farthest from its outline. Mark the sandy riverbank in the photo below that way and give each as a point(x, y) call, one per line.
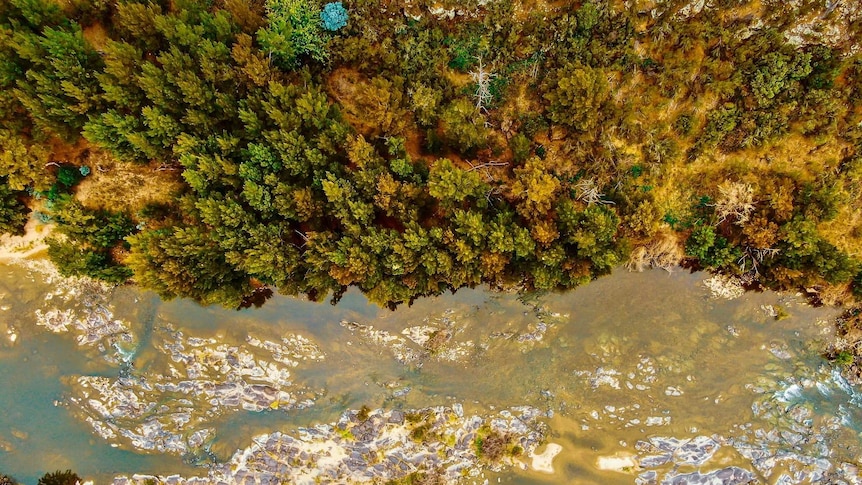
point(30, 244)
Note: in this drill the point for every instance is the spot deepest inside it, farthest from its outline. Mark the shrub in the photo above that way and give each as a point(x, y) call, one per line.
point(58, 477)
point(520, 146)
point(844, 358)
point(683, 124)
point(13, 214)
point(464, 127)
point(68, 176)
point(712, 250)
point(493, 447)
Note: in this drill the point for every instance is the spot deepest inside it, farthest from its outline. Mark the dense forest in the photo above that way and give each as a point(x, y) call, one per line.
point(215, 149)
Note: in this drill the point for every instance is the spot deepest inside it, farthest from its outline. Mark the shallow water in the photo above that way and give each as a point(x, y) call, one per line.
point(629, 357)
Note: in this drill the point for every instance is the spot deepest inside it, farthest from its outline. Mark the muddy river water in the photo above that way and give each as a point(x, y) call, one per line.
point(635, 378)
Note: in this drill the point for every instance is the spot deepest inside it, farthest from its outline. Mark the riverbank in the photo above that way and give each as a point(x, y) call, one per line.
point(28, 245)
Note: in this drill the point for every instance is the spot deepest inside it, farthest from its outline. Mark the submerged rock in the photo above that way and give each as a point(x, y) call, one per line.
point(726, 476)
point(442, 337)
point(169, 411)
point(766, 451)
point(88, 315)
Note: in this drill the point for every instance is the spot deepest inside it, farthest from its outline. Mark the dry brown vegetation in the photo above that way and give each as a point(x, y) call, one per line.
point(126, 187)
point(666, 250)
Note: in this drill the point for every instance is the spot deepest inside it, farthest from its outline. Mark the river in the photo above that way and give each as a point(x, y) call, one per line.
point(634, 378)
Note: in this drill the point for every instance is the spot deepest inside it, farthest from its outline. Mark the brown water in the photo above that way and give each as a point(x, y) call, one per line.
point(628, 357)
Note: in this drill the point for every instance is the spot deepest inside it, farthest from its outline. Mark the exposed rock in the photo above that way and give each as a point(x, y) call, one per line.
point(724, 286)
point(383, 447)
point(827, 25)
point(695, 451)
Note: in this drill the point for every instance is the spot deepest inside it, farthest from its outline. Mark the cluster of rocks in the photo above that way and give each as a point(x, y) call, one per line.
point(794, 449)
point(377, 446)
point(672, 453)
point(130, 410)
point(726, 476)
point(401, 350)
point(641, 378)
point(829, 24)
point(86, 313)
point(95, 327)
point(234, 376)
point(168, 411)
point(663, 456)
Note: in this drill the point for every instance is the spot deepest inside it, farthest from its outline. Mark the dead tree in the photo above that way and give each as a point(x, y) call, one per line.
point(482, 78)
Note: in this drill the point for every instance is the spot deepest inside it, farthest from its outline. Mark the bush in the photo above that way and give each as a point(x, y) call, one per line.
point(711, 250)
point(69, 176)
point(520, 146)
point(844, 358)
point(67, 477)
point(73, 260)
point(464, 53)
point(683, 124)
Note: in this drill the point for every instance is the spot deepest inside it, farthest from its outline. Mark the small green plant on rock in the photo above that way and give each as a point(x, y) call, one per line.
point(491, 445)
point(437, 340)
point(424, 423)
point(421, 477)
point(363, 413)
point(419, 433)
point(844, 358)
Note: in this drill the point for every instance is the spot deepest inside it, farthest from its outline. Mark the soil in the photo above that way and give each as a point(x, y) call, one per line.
point(123, 186)
point(28, 245)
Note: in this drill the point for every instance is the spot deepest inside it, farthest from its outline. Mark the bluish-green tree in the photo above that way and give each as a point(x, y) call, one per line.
point(334, 16)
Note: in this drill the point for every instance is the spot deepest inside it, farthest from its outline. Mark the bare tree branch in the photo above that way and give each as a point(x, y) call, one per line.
point(482, 78)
